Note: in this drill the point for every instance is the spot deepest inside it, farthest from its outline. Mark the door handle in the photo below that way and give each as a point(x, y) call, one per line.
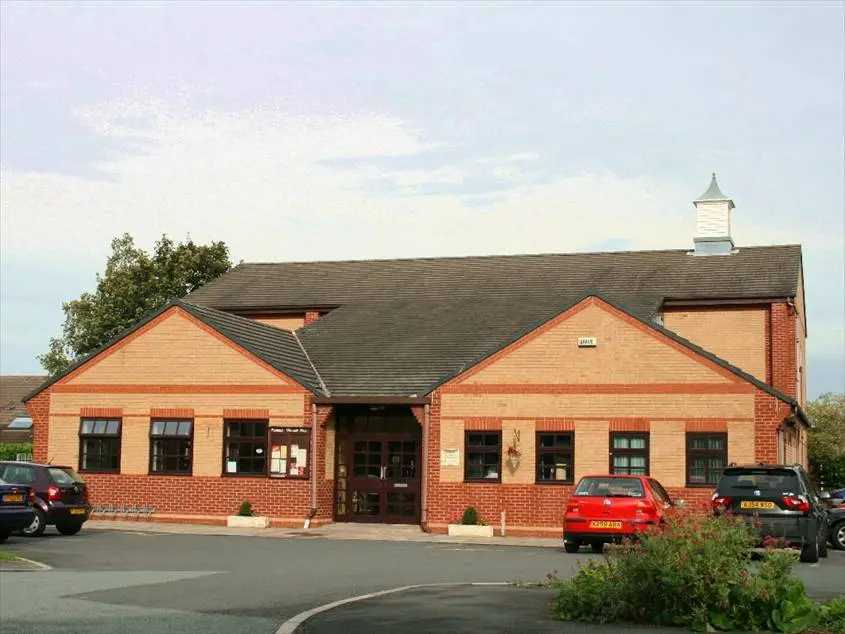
point(383, 473)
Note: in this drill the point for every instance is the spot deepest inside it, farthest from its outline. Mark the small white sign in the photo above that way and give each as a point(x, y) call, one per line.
point(587, 342)
point(450, 458)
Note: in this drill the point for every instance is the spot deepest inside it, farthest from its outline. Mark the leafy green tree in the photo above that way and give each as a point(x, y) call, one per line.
point(827, 441)
point(134, 284)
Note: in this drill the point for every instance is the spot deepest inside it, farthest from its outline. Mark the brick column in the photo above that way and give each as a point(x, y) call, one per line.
point(39, 411)
point(784, 351)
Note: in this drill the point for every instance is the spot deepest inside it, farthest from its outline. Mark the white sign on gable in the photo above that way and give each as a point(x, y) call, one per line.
point(587, 342)
point(450, 457)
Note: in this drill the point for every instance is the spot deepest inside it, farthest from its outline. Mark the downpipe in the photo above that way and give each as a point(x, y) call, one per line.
point(313, 510)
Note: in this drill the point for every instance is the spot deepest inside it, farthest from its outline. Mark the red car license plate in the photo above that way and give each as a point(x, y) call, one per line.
point(605, 524)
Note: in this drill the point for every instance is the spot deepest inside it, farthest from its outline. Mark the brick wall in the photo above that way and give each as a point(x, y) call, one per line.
point(39, 411)
point(784, 350)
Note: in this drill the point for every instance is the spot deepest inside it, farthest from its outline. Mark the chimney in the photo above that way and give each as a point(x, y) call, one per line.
point(713, 224)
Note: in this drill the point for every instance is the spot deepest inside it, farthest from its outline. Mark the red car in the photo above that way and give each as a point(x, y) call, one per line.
point(606, 508)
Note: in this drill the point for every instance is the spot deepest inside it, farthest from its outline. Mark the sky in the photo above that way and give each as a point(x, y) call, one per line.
point(324, 131)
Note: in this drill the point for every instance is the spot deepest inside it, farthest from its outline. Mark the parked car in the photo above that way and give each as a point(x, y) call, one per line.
point(837, 497)
point(60, 496)
point(782, 502)
point(836, 531)
point(606, 508)
point(15, 508)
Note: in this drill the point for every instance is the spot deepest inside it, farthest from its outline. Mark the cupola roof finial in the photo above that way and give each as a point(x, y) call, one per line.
point(713, 192)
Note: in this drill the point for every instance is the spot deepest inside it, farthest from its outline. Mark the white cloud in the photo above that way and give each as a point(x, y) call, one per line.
point(264, 182)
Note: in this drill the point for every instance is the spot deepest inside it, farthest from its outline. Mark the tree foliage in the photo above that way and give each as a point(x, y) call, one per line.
point(134, 284)
point(827, 441)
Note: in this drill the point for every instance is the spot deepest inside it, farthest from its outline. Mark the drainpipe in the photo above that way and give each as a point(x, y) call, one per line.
point(314, 432)
point(424, 473)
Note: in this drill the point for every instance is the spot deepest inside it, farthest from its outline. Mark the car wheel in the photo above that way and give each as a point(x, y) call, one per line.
point(837, 535)
point(69, 529)
point(810, 552)
point(598, 547)
point(571, 547)
point(36, 528)
point(823, 546)
point(4, 535)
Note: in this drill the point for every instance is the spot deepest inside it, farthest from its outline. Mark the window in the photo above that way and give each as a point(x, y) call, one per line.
point(610, 487)
point(289, 448)
point(99, 444)
point(483, 456)
point(554, 457)
point(707, 455)
point(659, 492)
point(17, 474)
point(629, 454)
point(21, 422)
point(171, 446)
point(245, 447)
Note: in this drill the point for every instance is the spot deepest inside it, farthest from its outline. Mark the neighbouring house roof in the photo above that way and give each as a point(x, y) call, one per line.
point(12, 390)
point(278, 348)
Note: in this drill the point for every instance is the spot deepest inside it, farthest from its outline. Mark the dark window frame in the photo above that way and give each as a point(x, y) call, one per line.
point(704, 453)
point(630, 452)
point(482, 449)
point(289, 433)
point(92, 436)
point(227, 440)
point(165, 437)
point(539, 450)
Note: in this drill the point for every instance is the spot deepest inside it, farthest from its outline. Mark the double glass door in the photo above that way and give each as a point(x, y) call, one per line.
point(378, 478)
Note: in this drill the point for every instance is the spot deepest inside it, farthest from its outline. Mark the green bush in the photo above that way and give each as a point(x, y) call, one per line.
point(832, 618)
point(9, 451)
point(470, 516)
point(246, 509)
point(694, 572)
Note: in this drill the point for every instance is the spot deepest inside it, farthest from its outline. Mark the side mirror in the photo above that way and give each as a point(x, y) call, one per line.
point(824, 495)
point(679, 502)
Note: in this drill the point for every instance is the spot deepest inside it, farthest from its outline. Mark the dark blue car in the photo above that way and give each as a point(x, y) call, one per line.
point(16, 510)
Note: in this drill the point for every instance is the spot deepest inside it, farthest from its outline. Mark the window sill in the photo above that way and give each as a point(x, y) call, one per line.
point(180, 474)
point(483, 481)
point(700, 485)
point(567, 483)
point(244, 475)
point(287, 477)
point(114, 471)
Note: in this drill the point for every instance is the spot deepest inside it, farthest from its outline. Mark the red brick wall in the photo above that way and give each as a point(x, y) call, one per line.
point(39, 411)
point(783, 351)
point(311, 316)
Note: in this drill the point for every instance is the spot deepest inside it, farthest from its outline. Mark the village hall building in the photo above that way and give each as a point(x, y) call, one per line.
point(406, 390)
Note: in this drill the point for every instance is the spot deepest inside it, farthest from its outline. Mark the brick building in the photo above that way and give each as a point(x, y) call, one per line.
point(406, 390)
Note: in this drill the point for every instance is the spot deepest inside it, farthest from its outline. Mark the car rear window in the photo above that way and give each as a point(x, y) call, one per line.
point(610, 487)
point(64, 475)
point(767, 481)
point(17, 474)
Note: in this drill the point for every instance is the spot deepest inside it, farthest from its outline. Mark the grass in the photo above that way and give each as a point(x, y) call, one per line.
point(4, 556)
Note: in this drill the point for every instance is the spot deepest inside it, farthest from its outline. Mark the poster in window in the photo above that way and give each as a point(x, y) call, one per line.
point(231, 466)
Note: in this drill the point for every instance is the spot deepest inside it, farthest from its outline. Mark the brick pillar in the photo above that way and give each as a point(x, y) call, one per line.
point(311, 316)
point(39, 411)
point(784, 350)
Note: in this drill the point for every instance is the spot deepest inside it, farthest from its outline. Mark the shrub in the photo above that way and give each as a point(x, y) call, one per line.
point(10, 451)
point(246, 509)
point(832, 617)
point(470, 516)
point(694, 572)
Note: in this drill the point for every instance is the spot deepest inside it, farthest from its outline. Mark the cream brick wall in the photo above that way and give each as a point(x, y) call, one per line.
point(604, 405)
point(741, 442)
point(526, 472)
point(592, 447)
point(208, 446)
point(737, 335)
point(452, 437)
point(667, 452)
point(135, 445)
point(288, 322)
point(280, 405)
point(624, 354)
point(176, 351)
point(63, 444)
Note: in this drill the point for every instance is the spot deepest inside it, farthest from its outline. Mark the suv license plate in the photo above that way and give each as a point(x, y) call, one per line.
point(77, 511)
point(603, 524)
point(752, 504)
point(13, 498)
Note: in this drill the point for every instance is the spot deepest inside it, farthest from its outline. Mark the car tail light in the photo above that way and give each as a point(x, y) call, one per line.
point(720, 502)
point(572, 506)
point(797, 503)
point(54, 494)
point(31, 496)
point(646, 509)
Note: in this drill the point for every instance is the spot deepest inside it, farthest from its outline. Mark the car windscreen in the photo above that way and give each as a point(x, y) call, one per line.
point(63, 475)
point(610, 487)
point(740, 482)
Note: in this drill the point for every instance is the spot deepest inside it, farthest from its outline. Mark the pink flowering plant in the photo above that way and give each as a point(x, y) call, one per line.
point(695, 571)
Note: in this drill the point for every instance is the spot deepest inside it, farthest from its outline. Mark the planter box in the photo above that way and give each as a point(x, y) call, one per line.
point(236, 521)
point(470, 530)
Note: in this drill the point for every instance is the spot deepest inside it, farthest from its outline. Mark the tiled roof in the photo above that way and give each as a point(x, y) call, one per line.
point(12, 389)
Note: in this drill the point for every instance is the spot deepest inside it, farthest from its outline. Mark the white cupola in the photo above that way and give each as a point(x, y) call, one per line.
point(713, 223)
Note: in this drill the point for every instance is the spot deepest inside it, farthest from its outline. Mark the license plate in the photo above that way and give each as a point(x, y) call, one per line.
point(753, 504)
point(13, 498)
point(77, 511)
point(604, 524)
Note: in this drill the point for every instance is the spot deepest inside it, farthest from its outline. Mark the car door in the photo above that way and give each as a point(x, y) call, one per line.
point(818, 507)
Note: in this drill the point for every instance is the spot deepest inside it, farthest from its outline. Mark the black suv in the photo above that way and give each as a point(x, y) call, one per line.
point(781, 500)
point(60, 496)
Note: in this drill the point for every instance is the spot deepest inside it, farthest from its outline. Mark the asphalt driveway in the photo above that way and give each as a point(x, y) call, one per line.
point(105, 582)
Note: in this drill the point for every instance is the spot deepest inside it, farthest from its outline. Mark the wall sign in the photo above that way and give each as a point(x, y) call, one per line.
point(587, 342)
point(450, 457)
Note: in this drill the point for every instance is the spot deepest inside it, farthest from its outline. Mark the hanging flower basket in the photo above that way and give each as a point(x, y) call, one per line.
point(513, 459)
point(513, 451)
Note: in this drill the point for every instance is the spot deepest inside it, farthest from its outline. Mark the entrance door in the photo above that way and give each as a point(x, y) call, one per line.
point(382, 482)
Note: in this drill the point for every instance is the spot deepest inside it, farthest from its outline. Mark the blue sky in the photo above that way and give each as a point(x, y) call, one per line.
point(356, 130)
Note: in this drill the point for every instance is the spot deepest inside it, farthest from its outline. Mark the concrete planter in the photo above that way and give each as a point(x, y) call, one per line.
point(237, 521)
point(470, 530)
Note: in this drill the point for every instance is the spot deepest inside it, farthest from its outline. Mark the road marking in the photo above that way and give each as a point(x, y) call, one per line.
point(289, 626)
point(37, 564)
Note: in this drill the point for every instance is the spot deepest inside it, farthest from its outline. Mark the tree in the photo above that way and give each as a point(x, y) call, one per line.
point(827, 441)
point(133, 285)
